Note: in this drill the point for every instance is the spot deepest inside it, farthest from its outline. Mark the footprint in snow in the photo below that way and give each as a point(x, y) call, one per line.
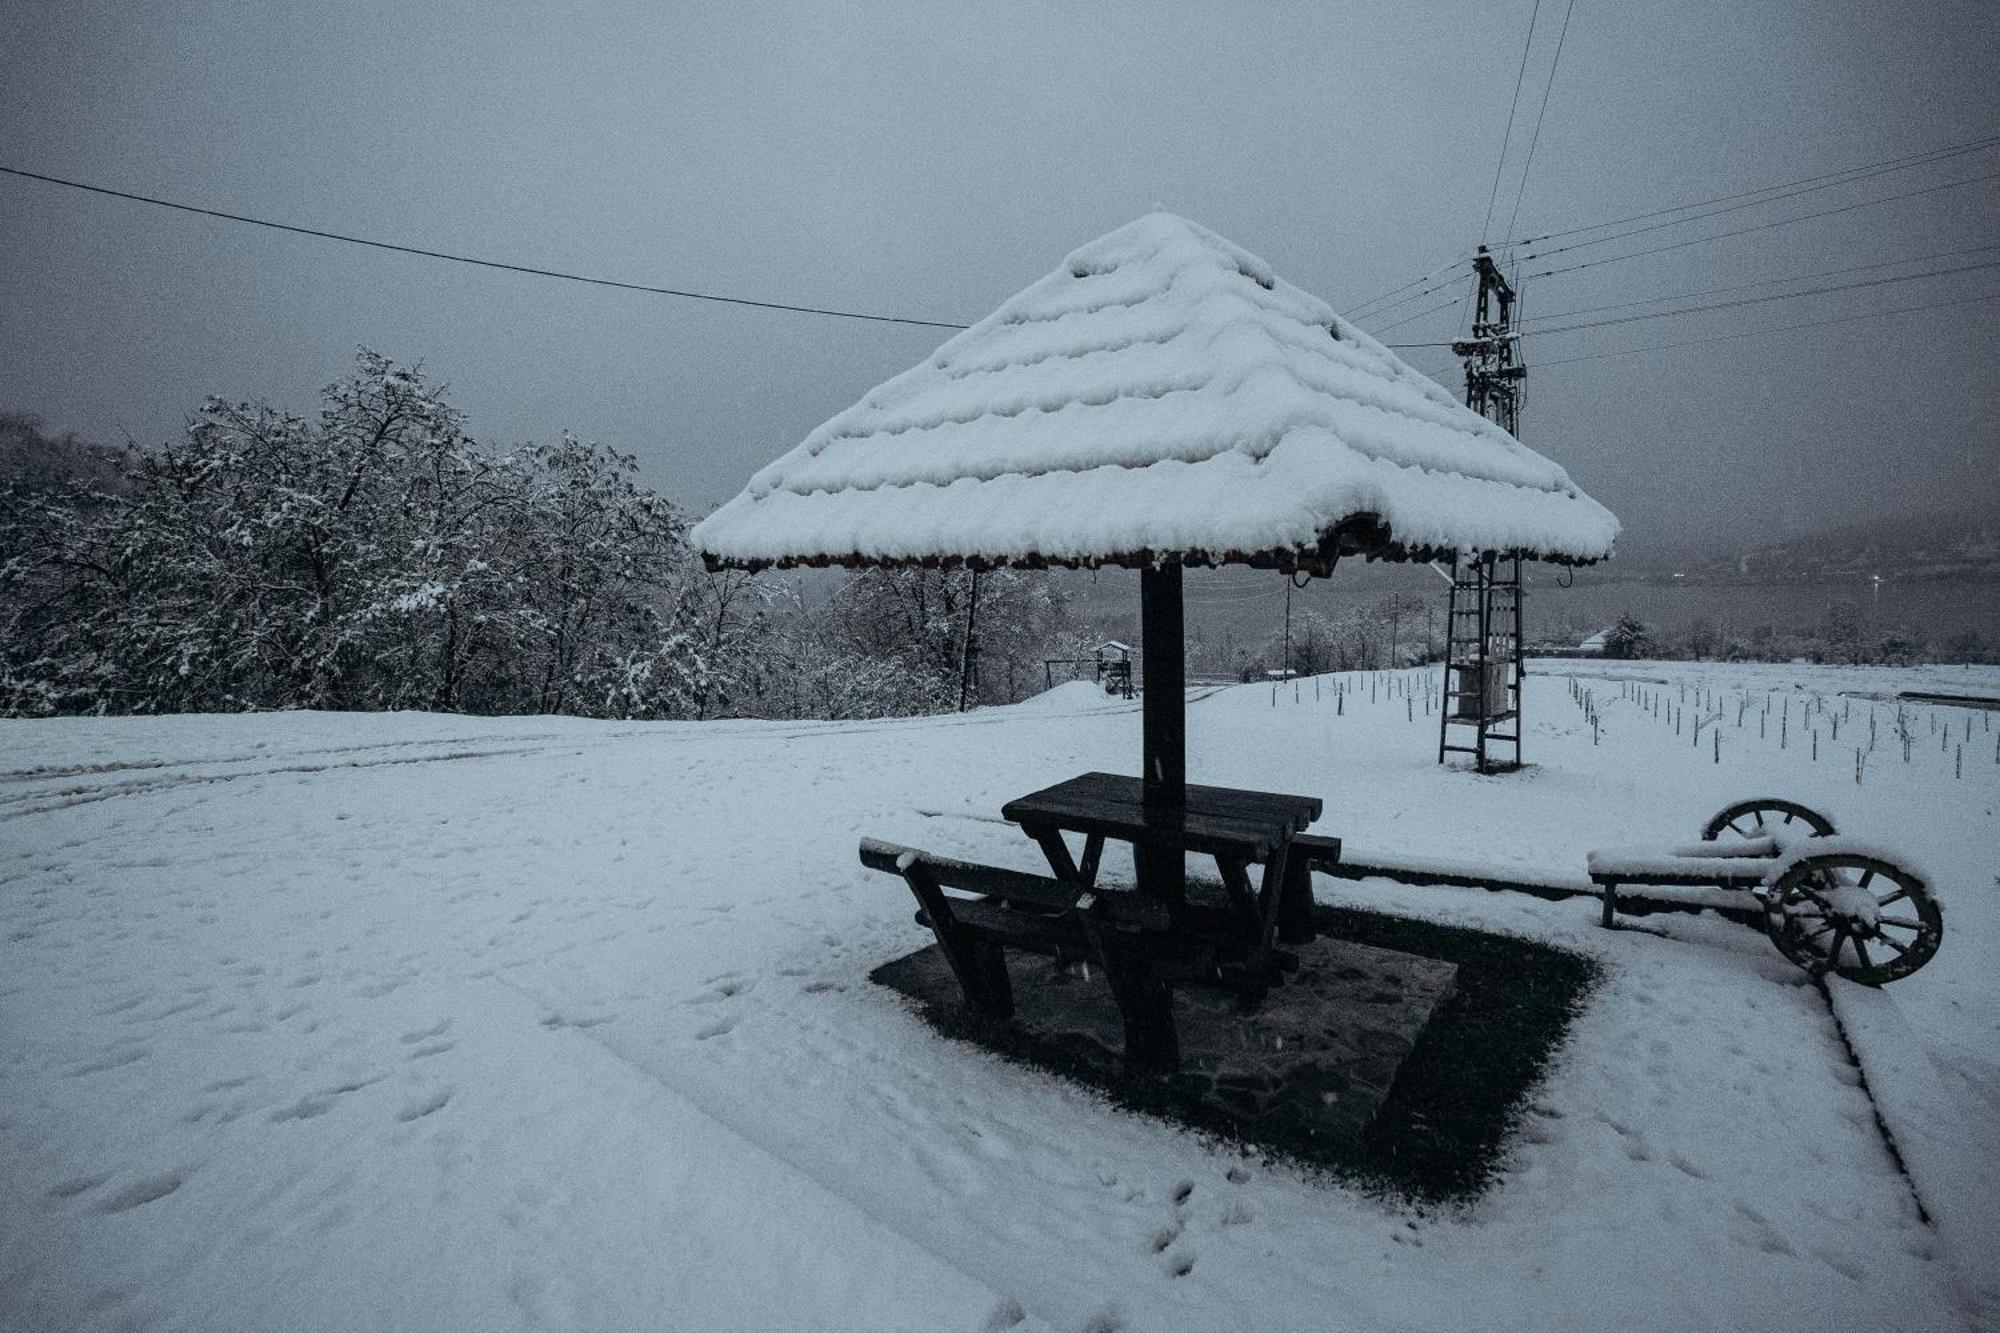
point(1007, 1314)
point(111, 1060)
point(139, 1192)
point(1685, 1167)
point(76, 1185)
point(418, 1108)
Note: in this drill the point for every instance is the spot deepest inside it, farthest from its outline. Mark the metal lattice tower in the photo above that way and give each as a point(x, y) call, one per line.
point(1483, 665)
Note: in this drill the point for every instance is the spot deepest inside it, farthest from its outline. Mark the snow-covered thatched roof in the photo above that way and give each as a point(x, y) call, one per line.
point(1161, 394)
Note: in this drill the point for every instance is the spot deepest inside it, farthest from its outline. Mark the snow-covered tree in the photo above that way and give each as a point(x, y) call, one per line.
point(373, 557)
point(1628, 638)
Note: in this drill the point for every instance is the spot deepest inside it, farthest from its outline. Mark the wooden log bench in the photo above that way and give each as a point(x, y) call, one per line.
point(1137, 942)
point(1131, 939)
point(1738, 865)
point(1306, 853)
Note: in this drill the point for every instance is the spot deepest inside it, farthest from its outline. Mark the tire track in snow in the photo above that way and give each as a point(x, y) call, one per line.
point(51, 771)
point(1967, 1292)
point(1004, 1313)
point(69, 797)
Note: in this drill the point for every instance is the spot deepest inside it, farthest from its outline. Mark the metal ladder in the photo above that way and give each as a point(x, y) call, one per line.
point(1483, 670)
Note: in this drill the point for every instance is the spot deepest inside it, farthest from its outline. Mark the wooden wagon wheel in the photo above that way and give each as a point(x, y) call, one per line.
point(1867, 919)
point(1762, 816)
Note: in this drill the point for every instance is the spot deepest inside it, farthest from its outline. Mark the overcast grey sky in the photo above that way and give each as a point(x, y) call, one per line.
point(930, 159)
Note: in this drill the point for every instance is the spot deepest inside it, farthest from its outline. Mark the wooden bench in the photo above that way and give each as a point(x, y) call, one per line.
point(1135, 941)
point(1720, 865)
point(1130, 938)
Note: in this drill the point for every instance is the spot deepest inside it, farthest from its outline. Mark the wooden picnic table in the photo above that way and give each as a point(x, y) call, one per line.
point(1238, 828)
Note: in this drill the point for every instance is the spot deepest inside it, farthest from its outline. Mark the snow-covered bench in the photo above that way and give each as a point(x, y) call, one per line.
point(1134, 940)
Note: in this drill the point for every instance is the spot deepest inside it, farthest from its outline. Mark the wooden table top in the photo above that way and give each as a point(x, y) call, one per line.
point(1214, 819)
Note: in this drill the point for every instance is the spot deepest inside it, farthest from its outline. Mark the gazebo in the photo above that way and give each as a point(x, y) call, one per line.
point(1160, 400)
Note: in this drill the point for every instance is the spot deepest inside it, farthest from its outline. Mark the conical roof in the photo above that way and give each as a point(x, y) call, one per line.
point(1161, 394)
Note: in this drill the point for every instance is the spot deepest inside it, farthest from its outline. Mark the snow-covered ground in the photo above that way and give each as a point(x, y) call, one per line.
point(337, 1022)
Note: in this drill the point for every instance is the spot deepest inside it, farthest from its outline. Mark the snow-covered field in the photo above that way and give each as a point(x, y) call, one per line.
point(317, 1021)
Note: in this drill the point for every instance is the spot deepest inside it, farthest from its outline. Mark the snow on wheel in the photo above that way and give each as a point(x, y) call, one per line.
point(1766, 817)
point(1860, 916)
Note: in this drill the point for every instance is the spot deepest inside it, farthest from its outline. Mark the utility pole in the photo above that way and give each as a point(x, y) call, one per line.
point(1493, 377)
point(1288, 627)
point(1484, 671)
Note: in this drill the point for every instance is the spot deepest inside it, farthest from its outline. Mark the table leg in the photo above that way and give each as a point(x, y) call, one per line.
point(1057, 851)
point(1271, 893)
point(1242, 898)
point(1093, 848)
point(1258, 965)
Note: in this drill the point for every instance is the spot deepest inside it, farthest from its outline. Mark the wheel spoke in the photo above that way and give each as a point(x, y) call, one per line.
point(1758, 815)
point(1861, 952)
point(1866, 876)
point(1887, 898)
point(1908, 921)
point(1833, 952)
point(1901, 949)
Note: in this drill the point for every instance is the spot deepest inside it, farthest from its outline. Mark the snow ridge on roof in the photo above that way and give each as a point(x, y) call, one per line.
point(1161, 392)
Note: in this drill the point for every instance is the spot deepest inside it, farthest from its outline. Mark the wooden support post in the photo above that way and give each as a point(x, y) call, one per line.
point(1163, 871)
point(1145, 1001)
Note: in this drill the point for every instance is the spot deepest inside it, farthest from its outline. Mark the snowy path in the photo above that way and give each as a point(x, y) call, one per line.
point(331, 1022)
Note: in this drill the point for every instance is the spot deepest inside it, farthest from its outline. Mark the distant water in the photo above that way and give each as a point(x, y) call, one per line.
point(1932, 608)
point(1248, 607)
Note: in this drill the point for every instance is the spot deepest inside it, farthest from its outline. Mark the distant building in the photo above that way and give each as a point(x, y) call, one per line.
point(1590, 647)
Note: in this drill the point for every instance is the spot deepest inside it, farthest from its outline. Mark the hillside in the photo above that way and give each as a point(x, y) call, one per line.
point(39, 462)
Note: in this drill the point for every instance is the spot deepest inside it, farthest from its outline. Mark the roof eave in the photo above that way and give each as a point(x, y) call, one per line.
point(1365, 535)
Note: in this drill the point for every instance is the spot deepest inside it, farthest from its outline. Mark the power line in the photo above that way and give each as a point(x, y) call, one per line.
point(1780, 328)
point(1773, 282)
point(1381, 310)
point(1411, 319)
point(479, 263)
point(1761, 300)
point(1761, 226)
point(1537, 136)
point(1437, 272)
point(1512, 106)
point(1846, 175)
point(1732, 208)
